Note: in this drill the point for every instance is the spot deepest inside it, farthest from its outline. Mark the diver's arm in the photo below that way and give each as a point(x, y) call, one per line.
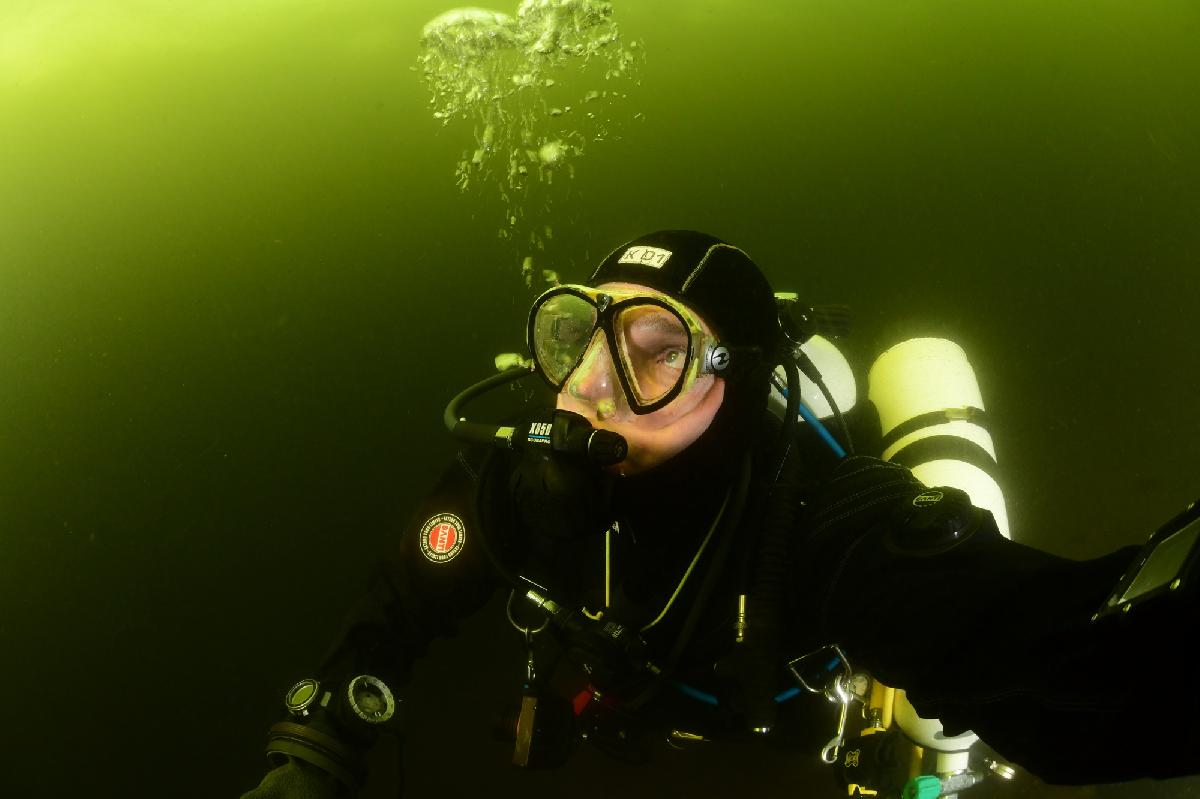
point(435, 574)
point(990, 635)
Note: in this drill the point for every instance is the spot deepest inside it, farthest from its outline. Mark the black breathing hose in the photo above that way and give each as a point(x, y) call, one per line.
point(472, 431)
point(727, 533)
point(812, 373)
point(481, 513)
point(766, 586)
point(792, 410)
point(766, 598)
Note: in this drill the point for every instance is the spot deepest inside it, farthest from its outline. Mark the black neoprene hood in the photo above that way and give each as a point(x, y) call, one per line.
point(720, 283)
point(713, 277)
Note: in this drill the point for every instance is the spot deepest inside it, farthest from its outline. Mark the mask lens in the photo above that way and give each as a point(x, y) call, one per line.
point(562, 328)
point(653, 343)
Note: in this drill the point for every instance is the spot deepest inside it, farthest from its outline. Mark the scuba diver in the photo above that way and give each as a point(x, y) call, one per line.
point(681, 561)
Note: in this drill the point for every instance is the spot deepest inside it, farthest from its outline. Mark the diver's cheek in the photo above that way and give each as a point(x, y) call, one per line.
point(566, 402)
point(677, 429)
point(692, 412)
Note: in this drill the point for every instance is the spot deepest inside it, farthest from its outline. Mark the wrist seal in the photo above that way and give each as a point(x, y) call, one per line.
point(304, 742)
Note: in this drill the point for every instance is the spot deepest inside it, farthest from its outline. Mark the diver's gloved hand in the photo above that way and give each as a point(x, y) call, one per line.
point(297, 780)
point(881, 550)
point(886, 559)
point(860, 493)
point(560, 497)
point(920, 589)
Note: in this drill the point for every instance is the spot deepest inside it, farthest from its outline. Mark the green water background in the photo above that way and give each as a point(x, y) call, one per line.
point(237, 286)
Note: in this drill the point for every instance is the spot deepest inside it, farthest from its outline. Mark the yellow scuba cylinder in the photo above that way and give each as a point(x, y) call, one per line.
point(933, 420)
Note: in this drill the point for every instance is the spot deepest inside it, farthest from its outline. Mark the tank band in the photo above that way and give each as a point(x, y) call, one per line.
point(953, 448)
point(975, 416)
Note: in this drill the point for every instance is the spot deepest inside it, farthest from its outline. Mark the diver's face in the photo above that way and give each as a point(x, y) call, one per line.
point(594, 391)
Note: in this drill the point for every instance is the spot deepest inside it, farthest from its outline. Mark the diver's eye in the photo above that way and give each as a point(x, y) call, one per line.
point(673, 358)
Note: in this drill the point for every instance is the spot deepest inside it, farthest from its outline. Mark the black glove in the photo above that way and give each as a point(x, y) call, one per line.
point(859, 493)
point(559, 497)
point(885, 556)
point(297, 780)
point(921, 590)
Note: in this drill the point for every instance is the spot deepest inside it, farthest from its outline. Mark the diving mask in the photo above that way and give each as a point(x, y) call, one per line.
point(658, 345)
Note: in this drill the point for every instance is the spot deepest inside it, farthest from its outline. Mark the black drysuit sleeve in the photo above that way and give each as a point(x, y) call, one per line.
point(996, 637)
point(436, 573)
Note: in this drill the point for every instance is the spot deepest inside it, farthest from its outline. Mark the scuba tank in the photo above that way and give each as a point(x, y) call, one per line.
point(933, 420)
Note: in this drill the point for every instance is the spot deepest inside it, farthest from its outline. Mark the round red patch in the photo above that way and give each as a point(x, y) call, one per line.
point(442, 537)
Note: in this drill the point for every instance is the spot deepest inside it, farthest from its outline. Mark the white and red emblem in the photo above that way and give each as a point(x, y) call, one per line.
point(442, 537)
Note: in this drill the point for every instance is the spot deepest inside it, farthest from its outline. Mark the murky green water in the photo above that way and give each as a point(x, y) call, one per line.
point(238, 284)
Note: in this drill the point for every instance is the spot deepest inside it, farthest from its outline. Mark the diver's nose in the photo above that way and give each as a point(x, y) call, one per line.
point(594, 381)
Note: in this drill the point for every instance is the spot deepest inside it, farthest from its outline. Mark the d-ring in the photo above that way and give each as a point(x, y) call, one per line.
point(527, 631)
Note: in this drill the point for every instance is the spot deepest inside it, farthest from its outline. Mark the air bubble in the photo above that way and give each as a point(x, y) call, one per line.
point(497, 71)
